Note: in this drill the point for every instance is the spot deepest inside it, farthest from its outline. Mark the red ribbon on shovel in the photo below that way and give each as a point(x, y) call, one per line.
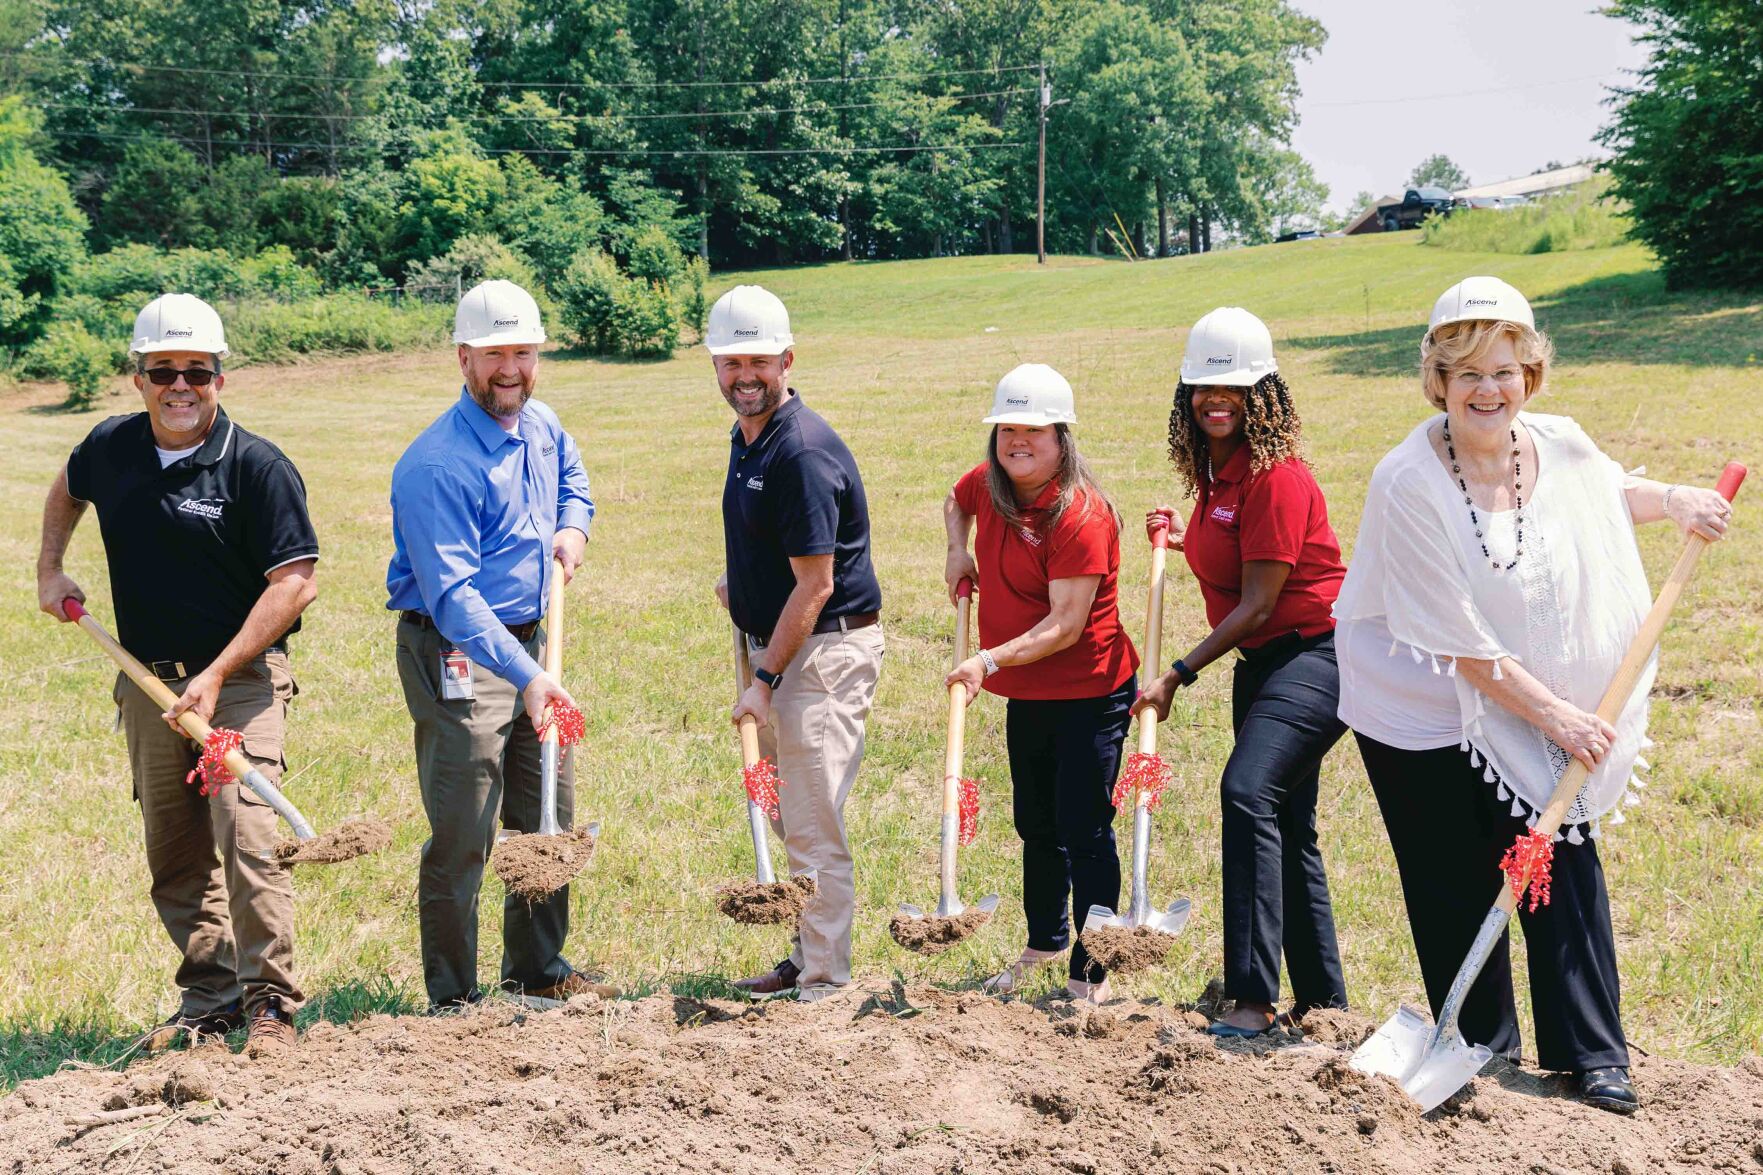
point(969, 810)
point(211, 768)
point(1147, 773)
point(762, 782)
point(1526, 865)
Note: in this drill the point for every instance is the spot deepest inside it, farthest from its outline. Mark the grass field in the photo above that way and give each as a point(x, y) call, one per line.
point(901, 358)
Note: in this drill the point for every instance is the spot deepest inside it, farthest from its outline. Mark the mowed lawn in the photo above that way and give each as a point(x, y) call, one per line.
point(901, 358)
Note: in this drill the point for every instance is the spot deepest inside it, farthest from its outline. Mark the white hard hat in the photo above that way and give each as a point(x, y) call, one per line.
point(497, 313)
point(1228, 346)
point(749, 320)
point(1032, 393)
point(1481, 299)
point(178, 322)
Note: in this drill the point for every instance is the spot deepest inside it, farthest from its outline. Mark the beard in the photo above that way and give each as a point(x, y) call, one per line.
point(771, 396)
point(493, 399)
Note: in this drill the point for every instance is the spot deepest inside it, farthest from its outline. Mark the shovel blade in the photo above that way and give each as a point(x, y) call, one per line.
point(910, 911)
point(989, 903)
point(1429, 1070)
point(1100, 916)
point(1173, 919)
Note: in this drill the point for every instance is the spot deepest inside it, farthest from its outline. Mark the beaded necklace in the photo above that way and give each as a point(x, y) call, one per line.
point(1474, 519)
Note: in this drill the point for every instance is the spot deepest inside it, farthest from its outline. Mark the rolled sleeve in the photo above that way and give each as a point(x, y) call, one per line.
point(442, 540)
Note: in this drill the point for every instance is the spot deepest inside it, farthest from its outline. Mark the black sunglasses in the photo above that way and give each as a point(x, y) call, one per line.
point(196, 377)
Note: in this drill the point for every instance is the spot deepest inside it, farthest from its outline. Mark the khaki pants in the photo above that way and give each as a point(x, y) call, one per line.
point(224, 899)
point(478, 759)
point(816, 738)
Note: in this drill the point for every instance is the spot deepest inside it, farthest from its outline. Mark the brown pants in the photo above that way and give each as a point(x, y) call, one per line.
point(227, 903)
point(816, 738)
point(477, 759)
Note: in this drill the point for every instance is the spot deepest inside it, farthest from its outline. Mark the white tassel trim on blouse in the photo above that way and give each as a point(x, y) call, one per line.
point(1576, 833)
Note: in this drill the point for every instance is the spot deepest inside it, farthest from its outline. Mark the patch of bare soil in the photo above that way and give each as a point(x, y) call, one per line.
point(913, 1080)
point(345, 842)
point(759, 904)
point(535, 867)
point(932, 935)
point(1123, 951)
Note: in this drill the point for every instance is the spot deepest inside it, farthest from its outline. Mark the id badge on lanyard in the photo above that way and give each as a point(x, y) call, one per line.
point(456, 676)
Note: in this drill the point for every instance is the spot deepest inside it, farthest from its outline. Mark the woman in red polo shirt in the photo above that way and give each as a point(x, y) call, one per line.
point(1269, 567)
point(1048, 561)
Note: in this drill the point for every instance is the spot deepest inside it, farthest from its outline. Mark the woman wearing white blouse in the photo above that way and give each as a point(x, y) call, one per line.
point(1494, 588)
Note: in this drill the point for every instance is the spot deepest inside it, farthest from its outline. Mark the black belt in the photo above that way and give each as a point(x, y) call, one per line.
point(178, 670)
point(521, 632)
point(1288, 644)
point(828, 624)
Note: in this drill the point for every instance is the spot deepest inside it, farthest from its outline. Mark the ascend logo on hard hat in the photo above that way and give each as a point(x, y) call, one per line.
point(1016, 401)
point(1481, 301)
point(507, 322)
point(1221, 361)
point(178, 332)
point(746, 332)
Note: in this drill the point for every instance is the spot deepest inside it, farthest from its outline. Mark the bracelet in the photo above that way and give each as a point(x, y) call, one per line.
point(1188, 676)
point(990, 662)
point(1666, 504)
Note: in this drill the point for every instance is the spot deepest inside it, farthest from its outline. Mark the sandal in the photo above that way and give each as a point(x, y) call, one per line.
point(1011, 977)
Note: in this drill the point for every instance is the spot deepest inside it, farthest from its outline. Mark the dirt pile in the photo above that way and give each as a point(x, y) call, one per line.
point(345, 842)
point(907, 1080)
point(535, 867)
point(931, 935)
point(759, 904)
point(1123, 950)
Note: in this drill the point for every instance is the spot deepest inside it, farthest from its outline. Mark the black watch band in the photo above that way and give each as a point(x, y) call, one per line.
point(771, 680)
point(1188, 676)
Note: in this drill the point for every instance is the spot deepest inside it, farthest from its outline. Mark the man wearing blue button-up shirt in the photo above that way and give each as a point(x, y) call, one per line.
point(481, 502)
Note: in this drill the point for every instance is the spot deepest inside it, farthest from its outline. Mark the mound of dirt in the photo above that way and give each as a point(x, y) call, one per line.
point(759, 904)
point(1124, 951)
point(535, 867)
point(888, 1081)
point(345, 842)
point(931, 935)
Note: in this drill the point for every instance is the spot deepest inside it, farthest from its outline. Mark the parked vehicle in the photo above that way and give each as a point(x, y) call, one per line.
point(1302, 234)
point(1417, 204)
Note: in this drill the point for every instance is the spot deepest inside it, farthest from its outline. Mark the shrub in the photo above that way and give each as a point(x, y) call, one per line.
point(72, 354)
point(471, 260)
point(654, 257)
point(345, 323)
point(274, 273)
point(645, 320)
point(42, 231)
point(587, 296)
point(694, 302)
point(1587, 217)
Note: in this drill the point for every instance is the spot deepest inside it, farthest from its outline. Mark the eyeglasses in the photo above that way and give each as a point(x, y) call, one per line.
point(1506, 377)
point(164, 377)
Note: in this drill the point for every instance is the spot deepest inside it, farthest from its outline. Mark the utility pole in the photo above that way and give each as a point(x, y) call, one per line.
point(1046, 96)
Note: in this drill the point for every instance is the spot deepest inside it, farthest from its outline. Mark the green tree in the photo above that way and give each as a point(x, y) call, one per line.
point(447, 195)
point(1437, 171)
point(1689, 139)
point(155, 196)
point(42, 231)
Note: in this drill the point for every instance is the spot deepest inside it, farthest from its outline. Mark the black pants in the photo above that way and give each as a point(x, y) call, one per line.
point(1283, 703)
point(1449, 831)
point(1064, 756)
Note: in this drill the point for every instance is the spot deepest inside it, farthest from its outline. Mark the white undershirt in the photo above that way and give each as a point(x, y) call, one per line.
point(167, 456)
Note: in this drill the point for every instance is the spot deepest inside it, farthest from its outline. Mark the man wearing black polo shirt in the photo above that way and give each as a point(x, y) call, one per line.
point(212, 560)
point(801, 586)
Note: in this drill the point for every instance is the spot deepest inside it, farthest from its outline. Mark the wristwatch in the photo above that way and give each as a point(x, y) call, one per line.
point(771, 680)
point(1188, 676)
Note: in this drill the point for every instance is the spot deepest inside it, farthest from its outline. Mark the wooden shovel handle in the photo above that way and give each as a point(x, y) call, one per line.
point(749, 725)
point(955, 747)
point(1154, 630)
point(1628, 673)
point(157, 690)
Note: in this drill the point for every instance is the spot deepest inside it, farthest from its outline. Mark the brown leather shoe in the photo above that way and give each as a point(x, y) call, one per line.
point(780, 978)
point(272, 1029)
point(574, 984)
point(182, 1028)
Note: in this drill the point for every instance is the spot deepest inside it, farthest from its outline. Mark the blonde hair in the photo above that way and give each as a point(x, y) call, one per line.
point(1461, 344)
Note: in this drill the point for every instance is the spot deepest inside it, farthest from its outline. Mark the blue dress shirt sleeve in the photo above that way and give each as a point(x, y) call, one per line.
point(574, 506)
point(436, 512)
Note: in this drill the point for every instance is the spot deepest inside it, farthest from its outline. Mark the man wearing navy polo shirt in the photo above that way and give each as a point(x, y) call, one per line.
point(212, 558)
point(800, 585)
point(481, 501)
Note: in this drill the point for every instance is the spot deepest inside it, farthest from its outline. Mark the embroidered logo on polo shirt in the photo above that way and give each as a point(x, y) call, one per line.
point(547, 450)
point(755, 483)
point(1224, 513)
point(1029, 536)
point(208, 508)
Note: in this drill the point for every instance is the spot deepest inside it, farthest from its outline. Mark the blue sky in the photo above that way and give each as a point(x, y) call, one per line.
point(1501, 86)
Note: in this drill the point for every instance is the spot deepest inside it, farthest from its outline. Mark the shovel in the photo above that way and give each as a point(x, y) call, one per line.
point(1143, 779)
point(536, 865)
point(765, 900)
point(952, 921)
point(350, 839)
point(1431, 1062)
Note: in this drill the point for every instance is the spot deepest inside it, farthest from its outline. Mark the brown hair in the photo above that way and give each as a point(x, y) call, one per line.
point(1072, 475)
point(1457, 344)
point(1270, 425)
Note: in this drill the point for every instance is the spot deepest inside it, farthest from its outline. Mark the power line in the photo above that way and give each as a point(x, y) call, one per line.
point(520, 118)
point(261, 144)
point(33, 58)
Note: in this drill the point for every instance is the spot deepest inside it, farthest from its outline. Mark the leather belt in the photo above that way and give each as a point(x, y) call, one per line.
point(178, 670)
point(521, 632)
point(828, 624)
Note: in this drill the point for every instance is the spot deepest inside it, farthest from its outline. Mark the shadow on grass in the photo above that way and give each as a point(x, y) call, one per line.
point(28, 1052)
point(1625, 318)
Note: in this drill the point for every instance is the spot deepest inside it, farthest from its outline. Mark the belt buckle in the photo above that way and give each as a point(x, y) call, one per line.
point(844, 624)
point(168, 670)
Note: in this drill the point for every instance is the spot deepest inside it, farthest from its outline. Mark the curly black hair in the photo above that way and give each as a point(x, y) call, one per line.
point(1270, 422)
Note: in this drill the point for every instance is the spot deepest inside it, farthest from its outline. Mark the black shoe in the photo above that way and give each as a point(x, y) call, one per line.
point(1609, 1089)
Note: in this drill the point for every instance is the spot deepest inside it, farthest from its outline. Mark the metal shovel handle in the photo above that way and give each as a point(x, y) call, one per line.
point(550, 749)
point(955, 748)
point(236, 761)
point(749, 726)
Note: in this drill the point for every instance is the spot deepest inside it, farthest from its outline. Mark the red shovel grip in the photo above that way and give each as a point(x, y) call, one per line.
point(1731, 478)
point(964, 588)
point(75, 610)
point(1158, 532)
